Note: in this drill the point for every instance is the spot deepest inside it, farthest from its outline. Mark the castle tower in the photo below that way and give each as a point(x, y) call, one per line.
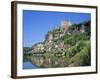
point(82, 28)
point(65, 25)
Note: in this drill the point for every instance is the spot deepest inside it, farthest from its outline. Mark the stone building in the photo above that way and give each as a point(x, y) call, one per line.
point(48, 46)
point(38, 47)
point(49, 37)
point(57, 33)
point(82, 28)
point(65, 25)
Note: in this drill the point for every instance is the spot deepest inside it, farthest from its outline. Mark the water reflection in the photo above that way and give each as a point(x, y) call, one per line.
point(49, 61)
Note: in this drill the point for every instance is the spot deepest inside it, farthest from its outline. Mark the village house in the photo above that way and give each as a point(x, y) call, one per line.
point(38, 47)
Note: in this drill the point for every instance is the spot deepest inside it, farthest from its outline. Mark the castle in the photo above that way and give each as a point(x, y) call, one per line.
point(57, 33)
point(66, 27)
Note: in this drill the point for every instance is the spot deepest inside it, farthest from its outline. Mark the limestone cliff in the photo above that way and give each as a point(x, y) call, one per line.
point(54, 39)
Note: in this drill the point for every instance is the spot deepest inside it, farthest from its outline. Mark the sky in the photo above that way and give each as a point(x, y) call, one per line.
point(37, 23)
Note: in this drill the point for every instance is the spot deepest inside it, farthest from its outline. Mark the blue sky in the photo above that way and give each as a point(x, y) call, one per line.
point(37, 23)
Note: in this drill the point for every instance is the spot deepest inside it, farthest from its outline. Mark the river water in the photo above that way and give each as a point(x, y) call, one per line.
point(29, 65)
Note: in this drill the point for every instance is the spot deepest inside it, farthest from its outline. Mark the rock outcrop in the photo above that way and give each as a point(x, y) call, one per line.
point(54, 38)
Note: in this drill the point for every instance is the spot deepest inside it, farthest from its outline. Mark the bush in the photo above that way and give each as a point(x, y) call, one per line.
point(82, 58)
point(74, 38)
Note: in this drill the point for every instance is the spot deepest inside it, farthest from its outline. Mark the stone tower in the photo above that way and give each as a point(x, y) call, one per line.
point(82, 28)
point(65, 25)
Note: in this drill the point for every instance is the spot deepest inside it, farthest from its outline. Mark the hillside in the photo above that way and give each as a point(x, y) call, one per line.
point(66, 45)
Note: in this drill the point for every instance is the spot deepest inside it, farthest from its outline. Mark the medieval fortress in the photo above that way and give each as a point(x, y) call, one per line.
point(59, 32)
point(52, 41)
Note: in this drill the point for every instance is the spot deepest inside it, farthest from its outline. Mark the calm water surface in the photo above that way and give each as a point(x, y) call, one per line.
point(28, 65)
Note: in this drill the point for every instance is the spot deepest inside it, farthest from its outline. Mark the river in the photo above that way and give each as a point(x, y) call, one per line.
point(29, 65)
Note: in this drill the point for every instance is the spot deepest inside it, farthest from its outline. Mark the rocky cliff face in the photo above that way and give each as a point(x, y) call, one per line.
point(68, 45)
point(54, 39)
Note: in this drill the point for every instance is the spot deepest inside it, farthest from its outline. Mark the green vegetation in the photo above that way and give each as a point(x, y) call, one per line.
point(77, 55)
point(72, 49)
point(26, 55)
point(74, 38)
point(26, 49)
point(80, 54)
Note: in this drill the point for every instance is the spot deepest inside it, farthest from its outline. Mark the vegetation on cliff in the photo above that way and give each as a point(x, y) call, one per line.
point(63, 47)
